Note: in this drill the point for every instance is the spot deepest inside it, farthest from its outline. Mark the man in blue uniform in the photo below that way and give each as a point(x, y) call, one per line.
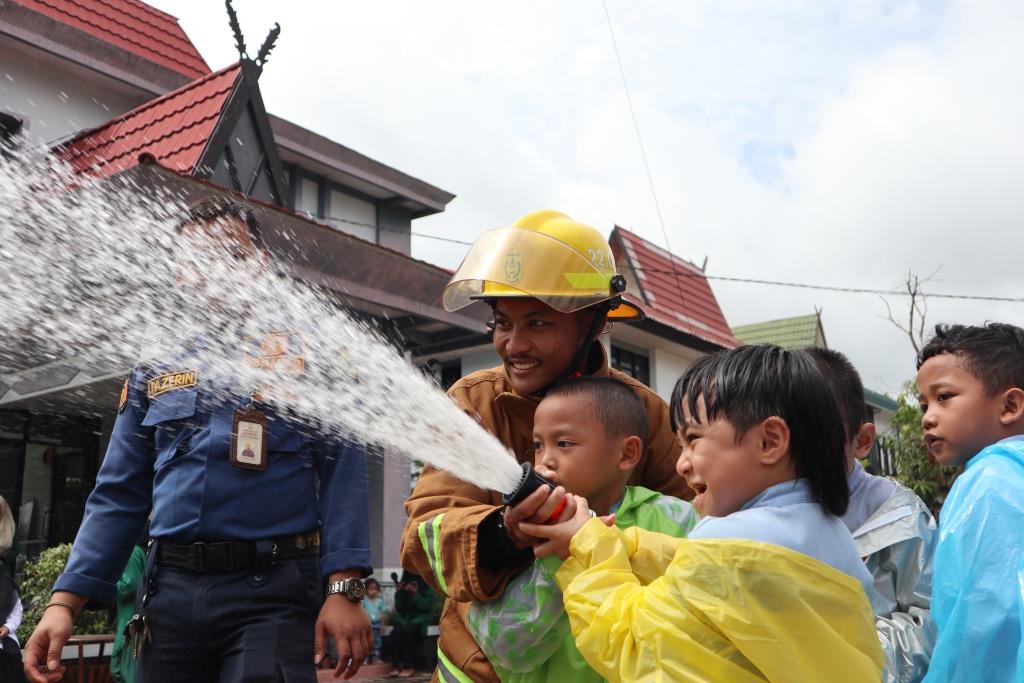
point(249, 509)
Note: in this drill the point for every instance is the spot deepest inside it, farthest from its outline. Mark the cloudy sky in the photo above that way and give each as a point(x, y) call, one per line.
point(838, 144)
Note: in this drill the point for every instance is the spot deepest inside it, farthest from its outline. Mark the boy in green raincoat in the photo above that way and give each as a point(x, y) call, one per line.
point(588, 436)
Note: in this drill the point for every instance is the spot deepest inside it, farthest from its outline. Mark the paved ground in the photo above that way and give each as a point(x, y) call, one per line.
point(373, 673)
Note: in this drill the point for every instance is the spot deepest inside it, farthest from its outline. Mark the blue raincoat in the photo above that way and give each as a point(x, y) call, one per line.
point(978, 586)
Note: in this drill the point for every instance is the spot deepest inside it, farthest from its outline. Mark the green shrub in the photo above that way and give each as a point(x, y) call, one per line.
point(916, 468)
point(40, 575)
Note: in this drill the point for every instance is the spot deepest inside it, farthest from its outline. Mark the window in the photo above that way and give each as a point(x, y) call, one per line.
point(633, 364)
point(308, 200)
point(354, 216)
point(451, 372)
point(10, 133)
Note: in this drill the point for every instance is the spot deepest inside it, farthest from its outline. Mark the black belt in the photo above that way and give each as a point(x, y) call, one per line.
point(227, 556)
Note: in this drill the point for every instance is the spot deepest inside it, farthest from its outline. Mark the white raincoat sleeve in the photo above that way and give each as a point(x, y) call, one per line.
point(898, 543)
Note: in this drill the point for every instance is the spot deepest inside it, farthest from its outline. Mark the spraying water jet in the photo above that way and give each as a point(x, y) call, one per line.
point(96, 268)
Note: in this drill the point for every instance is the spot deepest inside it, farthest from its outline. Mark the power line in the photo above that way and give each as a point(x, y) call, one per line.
point(640, 143)
point(836, 288)
point(746, 280)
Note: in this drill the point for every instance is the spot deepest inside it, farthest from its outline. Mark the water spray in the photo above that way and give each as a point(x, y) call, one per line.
point(97, 270)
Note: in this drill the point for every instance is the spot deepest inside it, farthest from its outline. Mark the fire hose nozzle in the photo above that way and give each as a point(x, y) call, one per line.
point(529, 482)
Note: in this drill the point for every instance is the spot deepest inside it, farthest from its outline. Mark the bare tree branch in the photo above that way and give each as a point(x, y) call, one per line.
point(917, 312)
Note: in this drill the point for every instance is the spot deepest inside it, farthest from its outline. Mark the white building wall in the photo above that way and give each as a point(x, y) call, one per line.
point(883, 421)
point(667, 360)
point(479, 359)
point(56, 100)
point(666, 368)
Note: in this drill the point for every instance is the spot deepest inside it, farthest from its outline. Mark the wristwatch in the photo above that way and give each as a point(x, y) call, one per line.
point(353, 589)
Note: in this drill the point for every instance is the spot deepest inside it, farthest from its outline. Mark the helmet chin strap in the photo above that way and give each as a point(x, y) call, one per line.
point(576, 365)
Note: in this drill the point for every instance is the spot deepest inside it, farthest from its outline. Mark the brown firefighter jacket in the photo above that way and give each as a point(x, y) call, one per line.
point(445, 513)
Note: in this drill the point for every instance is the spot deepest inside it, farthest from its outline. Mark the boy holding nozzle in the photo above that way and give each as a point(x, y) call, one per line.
point(588, 434)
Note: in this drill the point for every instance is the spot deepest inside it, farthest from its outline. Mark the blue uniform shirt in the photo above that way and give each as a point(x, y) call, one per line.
point(786, 515)
point(169, 452)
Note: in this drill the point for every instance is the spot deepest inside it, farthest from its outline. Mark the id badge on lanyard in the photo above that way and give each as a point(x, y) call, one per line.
point(249, 439)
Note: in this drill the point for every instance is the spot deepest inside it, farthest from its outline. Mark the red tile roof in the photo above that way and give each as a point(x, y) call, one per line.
point(675, 292)
point(130, 25)
point(173, 128)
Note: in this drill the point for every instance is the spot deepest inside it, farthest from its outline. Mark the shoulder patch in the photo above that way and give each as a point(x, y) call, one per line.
point(123, 401)
point(170, 381)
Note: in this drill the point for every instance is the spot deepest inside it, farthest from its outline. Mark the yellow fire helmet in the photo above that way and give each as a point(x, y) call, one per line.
point(544, 255)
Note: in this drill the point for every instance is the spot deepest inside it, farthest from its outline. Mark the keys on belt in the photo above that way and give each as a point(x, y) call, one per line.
point(225, 556)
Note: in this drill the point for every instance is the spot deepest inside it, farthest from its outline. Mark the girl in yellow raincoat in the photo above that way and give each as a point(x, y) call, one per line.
point(769, 585)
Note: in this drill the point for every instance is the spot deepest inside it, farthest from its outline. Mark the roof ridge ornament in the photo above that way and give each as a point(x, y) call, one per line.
point(268, 45)
point(243, 53)
point(237, 30)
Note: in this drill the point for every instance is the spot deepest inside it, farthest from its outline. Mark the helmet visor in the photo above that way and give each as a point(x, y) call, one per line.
point(513, 262)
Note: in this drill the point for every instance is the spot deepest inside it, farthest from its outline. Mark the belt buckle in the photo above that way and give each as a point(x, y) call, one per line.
point(198, 557)
point(300, 541)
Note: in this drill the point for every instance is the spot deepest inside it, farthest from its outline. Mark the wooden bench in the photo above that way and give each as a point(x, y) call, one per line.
point(94, 648)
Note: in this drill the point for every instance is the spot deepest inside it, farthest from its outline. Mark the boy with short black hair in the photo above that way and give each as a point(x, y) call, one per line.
point(894, 532)
point(971, 383)
point(588, 437)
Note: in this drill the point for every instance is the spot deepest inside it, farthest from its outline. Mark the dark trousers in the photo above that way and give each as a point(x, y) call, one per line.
point(251, 625)
point(10, 661)
point(405, 639)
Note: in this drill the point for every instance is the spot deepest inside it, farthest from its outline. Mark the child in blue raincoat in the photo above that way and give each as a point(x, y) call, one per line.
point(971, 383)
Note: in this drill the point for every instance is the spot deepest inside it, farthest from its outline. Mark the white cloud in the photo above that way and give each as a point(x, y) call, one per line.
point(788, 140)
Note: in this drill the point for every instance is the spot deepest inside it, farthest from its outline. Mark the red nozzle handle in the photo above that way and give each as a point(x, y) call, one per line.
point(558, 510)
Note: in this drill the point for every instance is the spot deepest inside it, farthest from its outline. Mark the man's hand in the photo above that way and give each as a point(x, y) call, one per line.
point(557, 537)
point(537, 508)
point(4, 632)
point(42, 651)
point(347, 623)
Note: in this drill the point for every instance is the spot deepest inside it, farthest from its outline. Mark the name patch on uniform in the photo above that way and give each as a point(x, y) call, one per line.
point(172, 380)
point(123, 401)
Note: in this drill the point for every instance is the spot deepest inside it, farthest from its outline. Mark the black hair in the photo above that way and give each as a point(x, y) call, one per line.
point(749, 384)
point(613, 403)
point(212, 208)
point(846, 385)
point(994, 352)
point(373, 581)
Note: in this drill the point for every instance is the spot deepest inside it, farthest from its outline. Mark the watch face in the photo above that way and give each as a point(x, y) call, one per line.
point(355, 590)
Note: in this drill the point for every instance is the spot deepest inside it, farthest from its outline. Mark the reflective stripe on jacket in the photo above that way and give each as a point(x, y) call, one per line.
point(526, 633)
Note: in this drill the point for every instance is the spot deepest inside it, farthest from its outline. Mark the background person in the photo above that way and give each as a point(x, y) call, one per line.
point(375, 608)
point(11, 609)
point(971, 380)
point(552, 286)
point(122, 659)
point(414, 610)
point(894, 531)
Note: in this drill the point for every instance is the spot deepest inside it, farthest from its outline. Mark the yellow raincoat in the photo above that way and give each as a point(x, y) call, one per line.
point(648, 607)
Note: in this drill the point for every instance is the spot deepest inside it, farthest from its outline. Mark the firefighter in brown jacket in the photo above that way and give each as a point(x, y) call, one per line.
point(552, 285)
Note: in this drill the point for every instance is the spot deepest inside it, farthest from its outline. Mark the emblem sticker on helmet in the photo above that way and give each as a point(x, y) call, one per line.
point(513, 267)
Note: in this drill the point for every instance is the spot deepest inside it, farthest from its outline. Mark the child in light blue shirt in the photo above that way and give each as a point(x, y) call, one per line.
point(375, 608)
